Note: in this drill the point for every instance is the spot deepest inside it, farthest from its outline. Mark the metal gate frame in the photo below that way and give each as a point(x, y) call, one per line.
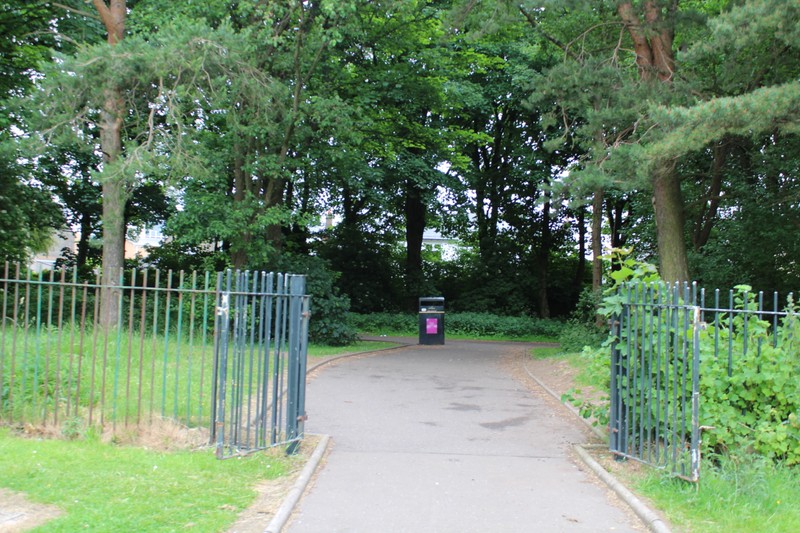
point(655, 371)
point(260, 359)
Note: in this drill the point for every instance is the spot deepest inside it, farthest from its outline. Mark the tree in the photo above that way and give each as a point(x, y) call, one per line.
point(113, 15)
point(621, 58)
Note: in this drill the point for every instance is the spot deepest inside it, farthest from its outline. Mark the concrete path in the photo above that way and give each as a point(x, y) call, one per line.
point(444, 439)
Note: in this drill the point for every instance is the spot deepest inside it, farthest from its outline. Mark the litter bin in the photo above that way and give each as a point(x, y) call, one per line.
point(431, 320)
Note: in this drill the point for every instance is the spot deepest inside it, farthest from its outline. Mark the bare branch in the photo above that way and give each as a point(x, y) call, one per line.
point(535, 25)
point(76, 11)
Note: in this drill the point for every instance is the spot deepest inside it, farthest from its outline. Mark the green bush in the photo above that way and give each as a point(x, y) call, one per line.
point(582, 330)
point(752, 401)
point(750, 395)
point(468, 324)
point(329, 308)
point(382, 323)
point(576, 335)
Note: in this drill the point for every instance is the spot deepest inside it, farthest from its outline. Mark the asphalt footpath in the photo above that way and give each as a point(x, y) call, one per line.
point(447, 439)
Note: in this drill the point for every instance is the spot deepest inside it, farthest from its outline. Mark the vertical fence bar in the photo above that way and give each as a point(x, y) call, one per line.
point(190, 357)
point(280, 329)
point(59, 350)
point(165, 355)
point(221, 359)
point(775, 319)
point(37, 344)
point(252, 286)
point(129, 355)
point(154, 344)
point(695, 433)
point(95, 332)
point(616, 439)
point(81, 344)
point(5, 354)
point(142, 341)
point(74, 324)
point(13, 352)
point(178, 344)
point(204, 342)
point(295, 410)
point(118, 344)
point(266, 344)
point(45, 389)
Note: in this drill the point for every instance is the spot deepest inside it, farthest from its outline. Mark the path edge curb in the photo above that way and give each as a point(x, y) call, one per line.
point(645, 514)
point(290, 501)
point(319, 364)
point(649, 517)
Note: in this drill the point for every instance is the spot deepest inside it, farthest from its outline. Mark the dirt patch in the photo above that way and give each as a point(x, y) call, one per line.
point(160, 434)
point(270, 494)
point(17, 513)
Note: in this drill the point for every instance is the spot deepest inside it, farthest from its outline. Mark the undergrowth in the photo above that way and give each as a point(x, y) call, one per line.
point(471, 325)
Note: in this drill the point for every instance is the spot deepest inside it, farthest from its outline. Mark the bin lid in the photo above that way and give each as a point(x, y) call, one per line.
point(431, 303)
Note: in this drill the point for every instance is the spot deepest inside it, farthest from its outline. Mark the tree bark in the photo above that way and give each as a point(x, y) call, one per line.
point(415, 227)
point(240, 187)
point(707, 213)
point(114, 188)
point(652, 42)
point(580, 270)
point(668, 206)
point(544, 261)
point(597, 240)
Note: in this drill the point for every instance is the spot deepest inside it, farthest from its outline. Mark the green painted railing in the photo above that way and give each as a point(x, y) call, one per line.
point(675, 348)
point(160, 361)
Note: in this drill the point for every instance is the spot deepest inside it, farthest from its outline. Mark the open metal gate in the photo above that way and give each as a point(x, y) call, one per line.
point(260, 349)
point(655, 367)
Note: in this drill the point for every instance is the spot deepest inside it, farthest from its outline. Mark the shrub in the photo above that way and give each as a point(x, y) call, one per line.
point(752, 400)
point(750, 396)
point(329, 309)
point(469, 324)
point(575, 336)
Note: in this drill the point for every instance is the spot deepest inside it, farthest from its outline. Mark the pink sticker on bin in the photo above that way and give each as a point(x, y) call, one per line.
point(431, 326)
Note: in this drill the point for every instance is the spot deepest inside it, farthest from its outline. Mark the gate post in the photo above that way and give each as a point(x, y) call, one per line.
point(618, 425)
point(295, 404)
point(697, 326)
point(221, 325)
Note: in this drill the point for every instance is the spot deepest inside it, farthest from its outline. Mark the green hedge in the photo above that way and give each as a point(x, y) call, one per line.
point(469, 324)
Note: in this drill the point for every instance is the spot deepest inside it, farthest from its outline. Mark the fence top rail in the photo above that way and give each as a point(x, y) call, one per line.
point(690, 295)
point(245, 282)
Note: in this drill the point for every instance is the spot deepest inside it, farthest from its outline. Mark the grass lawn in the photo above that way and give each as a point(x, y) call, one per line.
point(742, 495)
point(317, 351)
point(753, 496)
point(107, 487)
point(103, 487)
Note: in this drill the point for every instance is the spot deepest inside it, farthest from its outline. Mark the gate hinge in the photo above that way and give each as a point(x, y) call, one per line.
point(303, 417)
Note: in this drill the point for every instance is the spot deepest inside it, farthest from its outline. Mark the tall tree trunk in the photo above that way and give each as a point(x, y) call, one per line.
point(415, 227)
point(668, 206)
point(597, 240)
point(544, 261)
point(114, 188)
point(240, 247)
point(83, 243)
point(274, 200)
point(652, 36)
point(707, 213)
point(580, 270)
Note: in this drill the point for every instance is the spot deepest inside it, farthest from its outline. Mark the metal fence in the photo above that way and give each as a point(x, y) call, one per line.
point(169, 355)
point(666, 338)
point(261, 348)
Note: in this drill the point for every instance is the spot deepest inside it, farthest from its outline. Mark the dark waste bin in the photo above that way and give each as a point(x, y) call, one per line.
point(431, 320)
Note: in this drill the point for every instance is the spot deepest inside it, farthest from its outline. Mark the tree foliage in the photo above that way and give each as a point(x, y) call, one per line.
point(532, 133)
